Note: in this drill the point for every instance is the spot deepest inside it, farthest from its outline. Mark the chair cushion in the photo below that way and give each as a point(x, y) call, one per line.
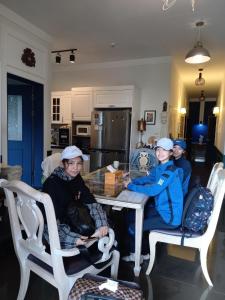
point(176, 232)
point(74, 264)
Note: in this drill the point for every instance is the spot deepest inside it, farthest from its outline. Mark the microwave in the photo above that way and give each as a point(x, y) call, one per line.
point(83, 129)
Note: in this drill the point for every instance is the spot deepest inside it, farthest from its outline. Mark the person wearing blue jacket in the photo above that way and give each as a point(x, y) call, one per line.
point(164, 183)
point(179, 147)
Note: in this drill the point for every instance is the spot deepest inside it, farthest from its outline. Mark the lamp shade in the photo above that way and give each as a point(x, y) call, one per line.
point(72, 58)
point(183, 110)
point(141, 125)
point(216, 110)
point(197, 55)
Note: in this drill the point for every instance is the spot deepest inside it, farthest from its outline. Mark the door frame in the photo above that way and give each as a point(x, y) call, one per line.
point(37, 123)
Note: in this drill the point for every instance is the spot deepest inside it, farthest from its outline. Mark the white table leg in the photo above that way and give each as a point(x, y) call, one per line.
point(138, 239)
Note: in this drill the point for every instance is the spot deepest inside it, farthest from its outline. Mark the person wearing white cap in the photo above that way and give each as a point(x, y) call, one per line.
point(164, 183)
point(66, 186)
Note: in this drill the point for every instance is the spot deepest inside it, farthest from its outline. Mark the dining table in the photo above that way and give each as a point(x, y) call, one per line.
point(117, 196)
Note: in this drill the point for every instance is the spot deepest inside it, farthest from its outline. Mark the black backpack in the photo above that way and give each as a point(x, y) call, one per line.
point(197, 210)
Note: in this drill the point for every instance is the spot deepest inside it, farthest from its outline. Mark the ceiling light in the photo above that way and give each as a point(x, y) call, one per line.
point(72, 57)
point(169, 3)
point(58, 58)
point(200, 81)
point(198, 54)
point(58, 55)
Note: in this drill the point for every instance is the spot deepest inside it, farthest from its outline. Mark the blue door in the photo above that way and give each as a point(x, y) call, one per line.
point(25, 127)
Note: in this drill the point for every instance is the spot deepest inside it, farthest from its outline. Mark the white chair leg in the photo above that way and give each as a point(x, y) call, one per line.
point(152, 256)
point(115, 264)
point(63, 293)
point(203, 260)
point(24, 280)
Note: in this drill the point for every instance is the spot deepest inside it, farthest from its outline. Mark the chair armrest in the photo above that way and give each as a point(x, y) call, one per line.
point(72, 251)
point(105, 244)
point(66, 252)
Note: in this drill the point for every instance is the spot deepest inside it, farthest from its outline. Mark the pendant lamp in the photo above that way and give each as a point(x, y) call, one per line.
point(198, 54)
point(200, 80)
point(202, 96)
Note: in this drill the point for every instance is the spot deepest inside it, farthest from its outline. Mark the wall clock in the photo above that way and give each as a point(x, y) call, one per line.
point(28, 57)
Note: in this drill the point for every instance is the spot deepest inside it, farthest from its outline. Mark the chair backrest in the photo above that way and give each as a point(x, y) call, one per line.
point(218, 191)
point(143, 159)
point(27, 224)
point(213, 175)
point(50, 163)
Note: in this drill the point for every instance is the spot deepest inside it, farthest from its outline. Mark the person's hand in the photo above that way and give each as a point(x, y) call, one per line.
point(126, 174)
point(101, 231)
point(126, 182)
point(82, 240)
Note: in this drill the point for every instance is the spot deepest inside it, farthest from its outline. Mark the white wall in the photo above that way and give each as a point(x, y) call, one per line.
point(150, 76)
point(16, 34)
point(220, 124)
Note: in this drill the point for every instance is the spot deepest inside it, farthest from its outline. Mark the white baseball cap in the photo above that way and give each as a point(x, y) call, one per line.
point(72, 152)
point(165, 143)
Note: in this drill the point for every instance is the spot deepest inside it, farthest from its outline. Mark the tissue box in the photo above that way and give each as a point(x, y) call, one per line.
point(112, 178)
point(110, 190)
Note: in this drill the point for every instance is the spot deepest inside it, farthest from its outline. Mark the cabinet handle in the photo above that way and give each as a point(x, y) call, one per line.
point(62, 119)
point(72, 116)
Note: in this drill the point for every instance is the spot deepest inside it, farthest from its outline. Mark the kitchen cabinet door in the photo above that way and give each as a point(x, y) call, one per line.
point(61, 107)
point(82, 104)
point(114, 96)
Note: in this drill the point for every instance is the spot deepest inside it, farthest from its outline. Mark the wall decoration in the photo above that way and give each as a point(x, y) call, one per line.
point(28, 57)
point(150, 117)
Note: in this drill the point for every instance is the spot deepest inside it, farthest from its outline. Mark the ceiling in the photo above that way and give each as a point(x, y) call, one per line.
point(136, 28)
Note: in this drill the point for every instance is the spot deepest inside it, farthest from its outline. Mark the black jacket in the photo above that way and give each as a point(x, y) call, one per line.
point(63, 192)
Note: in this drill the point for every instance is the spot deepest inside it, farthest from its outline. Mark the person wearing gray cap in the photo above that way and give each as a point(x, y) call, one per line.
point(65, 186)
point(164, 183)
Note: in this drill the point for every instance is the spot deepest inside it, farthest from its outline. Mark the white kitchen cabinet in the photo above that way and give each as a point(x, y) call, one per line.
point(82, 103)
point(61, 107)
point(114, 96)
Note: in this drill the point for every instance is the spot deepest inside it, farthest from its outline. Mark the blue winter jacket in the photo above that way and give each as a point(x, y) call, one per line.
point(166, 186)
point(185, 165)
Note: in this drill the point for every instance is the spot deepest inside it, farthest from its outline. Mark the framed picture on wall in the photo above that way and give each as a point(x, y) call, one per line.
point(150, 116)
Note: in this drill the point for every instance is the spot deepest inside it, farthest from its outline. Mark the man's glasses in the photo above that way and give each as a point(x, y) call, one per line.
point(75, 163)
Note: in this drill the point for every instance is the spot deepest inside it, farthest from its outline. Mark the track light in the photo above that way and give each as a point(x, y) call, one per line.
point(72, 57)
point(58, 55)
point(58, 58)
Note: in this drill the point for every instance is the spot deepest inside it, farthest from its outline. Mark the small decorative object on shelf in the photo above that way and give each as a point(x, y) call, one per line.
point(28, 57)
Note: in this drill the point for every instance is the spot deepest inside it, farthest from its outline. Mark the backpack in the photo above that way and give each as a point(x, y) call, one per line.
point(197, 210)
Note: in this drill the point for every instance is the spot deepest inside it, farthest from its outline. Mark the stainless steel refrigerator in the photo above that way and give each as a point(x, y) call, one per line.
point(110, 137)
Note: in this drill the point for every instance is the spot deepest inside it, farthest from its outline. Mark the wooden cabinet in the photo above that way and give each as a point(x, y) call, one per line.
point(114, 96)
point(82, 103)
point(61, 107)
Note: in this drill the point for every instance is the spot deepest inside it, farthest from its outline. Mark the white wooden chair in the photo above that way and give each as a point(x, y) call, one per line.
point(201, 242)
point(212, 179)
point(60, 267)
point(49, 164)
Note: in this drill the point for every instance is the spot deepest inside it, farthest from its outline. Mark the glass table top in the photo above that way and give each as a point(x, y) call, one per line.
point(96, 181)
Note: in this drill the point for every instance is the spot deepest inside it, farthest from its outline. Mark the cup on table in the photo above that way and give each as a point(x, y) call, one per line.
point(116, 164)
